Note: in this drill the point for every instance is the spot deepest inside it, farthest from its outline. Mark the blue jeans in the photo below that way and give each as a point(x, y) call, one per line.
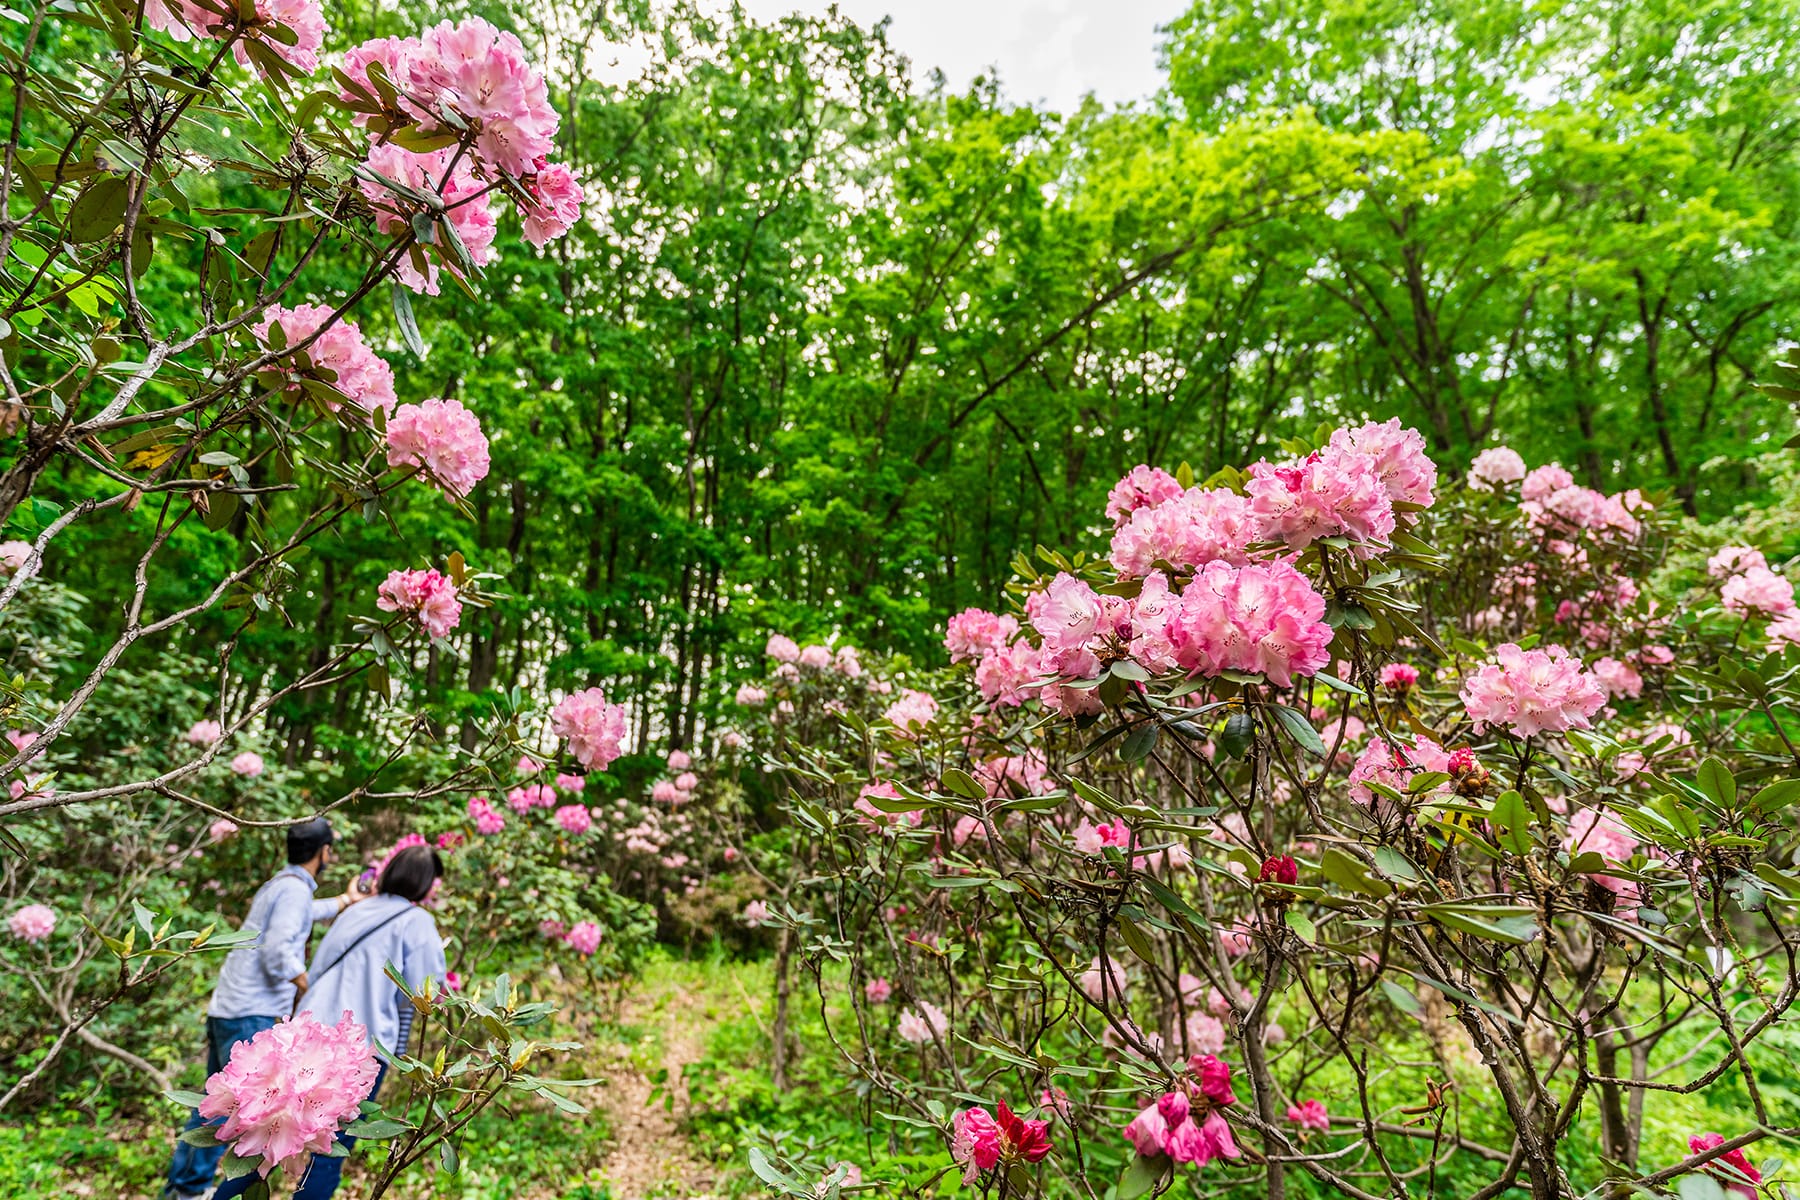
point(191, 1170)
point(322, 1173)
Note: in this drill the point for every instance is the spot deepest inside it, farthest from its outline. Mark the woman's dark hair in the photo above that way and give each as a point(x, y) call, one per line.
point(411, 873)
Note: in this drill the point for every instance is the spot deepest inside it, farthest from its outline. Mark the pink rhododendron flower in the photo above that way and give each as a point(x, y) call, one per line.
point(1262, 617)
point(782, 649)
point(1496, 467)
point(302, 21)
point(913, 710)
point(878, 818)
point(1735, 560)
point(32, 923)
point(756, 913)
point(595, 729)
point(482, 73)
point(1205, 1033)
point(426, 596)
point(1757, 591)
point(1398, 677)
point(571, 783)
point(1007, 676)
point(1142, 487)
point(877, 991)
point(1532, 691)
point(488, 820)
point(1090, 838)
point(1618, 678)
point(1783, 631)
point(201, 733)
point(553, 207)
point(465, 209)
point(816, 658)
point(1545, 482)
point(442, 438)
point(679, 760)
point(1310, 1114)
point(980, 1142)
point(687, 781)
point(1106, 982)
point(1189, 531)
point(922, 1023)
point(751, 696)
point(574, 818)
point(358, 372)
point(1732, 1169)
point(973, 633)
point(249, 764)
point(664, 791)
point(221, 830)
point(583, 937)
point(1067, 615)
point(287, 1090)
point(1398, 457)
point(453, 981)
point(1332, 492)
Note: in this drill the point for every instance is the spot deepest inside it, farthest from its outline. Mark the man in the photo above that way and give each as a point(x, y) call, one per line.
point(262, 979)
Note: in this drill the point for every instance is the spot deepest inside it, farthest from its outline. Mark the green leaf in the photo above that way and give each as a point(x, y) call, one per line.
point(1300, 729)
point(98, 210)
point(376, 1127)
point(1238, 735)
point(1139, 742)
point(1775, 797)
point(1715, 779)
point(1350, 875)
point(409, 324)
point(1512, 819)
point(1402, 999)
point(1302, 925)
point(961, 783)
point(1141, 1176)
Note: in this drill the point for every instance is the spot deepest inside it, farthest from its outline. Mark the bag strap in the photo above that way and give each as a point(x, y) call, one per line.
point(360, 938)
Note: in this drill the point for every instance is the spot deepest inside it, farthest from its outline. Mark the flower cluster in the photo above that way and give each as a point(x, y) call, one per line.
point(488, 819)
point(287, 1090)
point(291, 30)
point(443, 439)
point(338, 356)
point(1188, 1124)
point(1532, 691)
point(428, 597)
point(1552, 500)
point(32, 923)
point(982, 1141)
point(595, 728)
point(470, 82)
point(583, 937)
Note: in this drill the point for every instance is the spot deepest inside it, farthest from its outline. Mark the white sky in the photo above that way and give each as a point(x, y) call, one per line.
point(1052, 51)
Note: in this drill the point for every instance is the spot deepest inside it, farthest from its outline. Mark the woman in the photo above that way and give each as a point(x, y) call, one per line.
point(348, 974)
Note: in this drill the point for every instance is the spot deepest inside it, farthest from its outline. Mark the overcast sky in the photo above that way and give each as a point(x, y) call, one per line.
point(1045, 50)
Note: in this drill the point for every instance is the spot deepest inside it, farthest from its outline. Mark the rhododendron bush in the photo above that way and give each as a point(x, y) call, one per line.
point(1334, 826)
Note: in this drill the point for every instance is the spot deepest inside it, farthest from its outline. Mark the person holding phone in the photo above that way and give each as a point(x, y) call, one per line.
point(260, 980)
point(349, 975)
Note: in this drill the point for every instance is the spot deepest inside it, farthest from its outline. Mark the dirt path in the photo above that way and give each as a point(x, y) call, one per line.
point(650, 1159)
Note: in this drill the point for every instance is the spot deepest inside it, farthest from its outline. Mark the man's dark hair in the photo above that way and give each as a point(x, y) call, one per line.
point(411, 873)
point(306, 839)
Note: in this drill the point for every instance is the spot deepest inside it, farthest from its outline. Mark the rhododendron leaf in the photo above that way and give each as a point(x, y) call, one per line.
point(1300, 729)
point(232, 1166)
point(1395, 865)
point(376, 1127)
point(1238, 735)
point(1139, 742)
point(1351, 875)
point(1716, 781)
point(1502, 923)
point(1402, 999)
point(1336, 684)
point(1142, 1175)
point(1513, 821)
point(1171, 900)
point(961, 783)
point(409, 324)
point(1302, 925)
point(1775, 796)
